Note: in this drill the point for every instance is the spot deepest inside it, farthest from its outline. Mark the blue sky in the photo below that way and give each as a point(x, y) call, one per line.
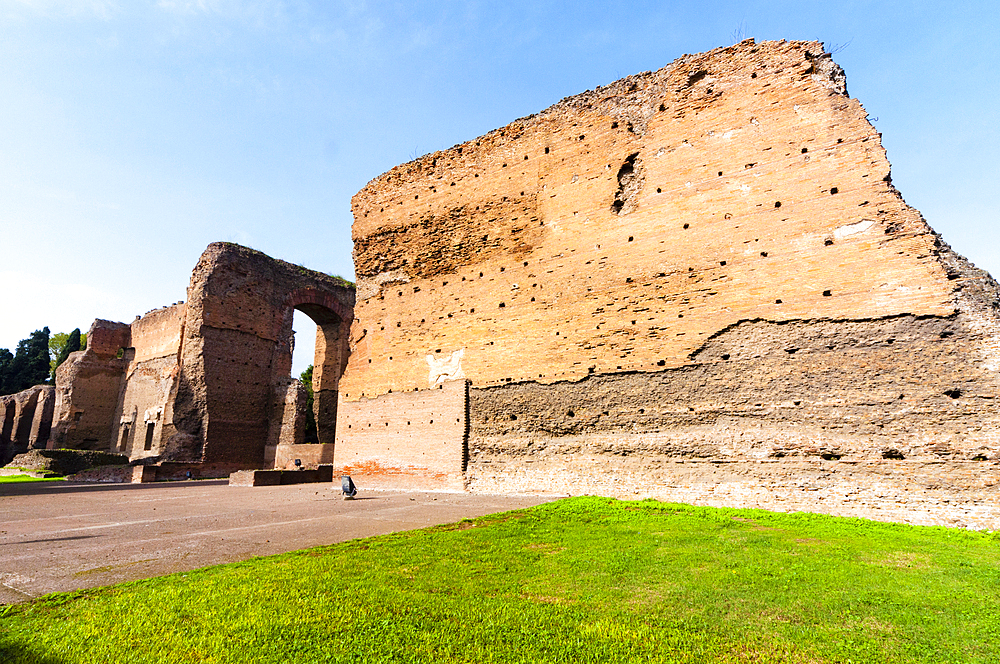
point(132, 134)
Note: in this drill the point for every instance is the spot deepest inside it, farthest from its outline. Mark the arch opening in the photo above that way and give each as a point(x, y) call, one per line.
point(328, 360)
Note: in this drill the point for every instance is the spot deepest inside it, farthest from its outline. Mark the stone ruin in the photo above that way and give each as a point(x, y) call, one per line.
point(202, 386)
point(696, 284)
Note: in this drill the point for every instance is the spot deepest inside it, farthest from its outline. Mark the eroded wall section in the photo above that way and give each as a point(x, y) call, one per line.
point(88, 386)
point(620, 229)
point(144, 416)
point(703, 265)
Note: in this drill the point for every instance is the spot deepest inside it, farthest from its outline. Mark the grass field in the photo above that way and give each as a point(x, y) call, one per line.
point(11, 479)
point(582, 579)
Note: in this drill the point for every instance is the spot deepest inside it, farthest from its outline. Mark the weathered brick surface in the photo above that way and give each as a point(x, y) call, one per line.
point(513, 248)
point(697, 284)
point(282, 457)
point(207, 381)
point(143, 413)
point(414, 439)
point(23, 416)
point(88, 386)
point(6, 428)
point(41, 422)
point(237, 348)
point(288, 414)
point(275, 477)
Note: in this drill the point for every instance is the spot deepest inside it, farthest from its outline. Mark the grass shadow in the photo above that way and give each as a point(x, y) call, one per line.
point(19, 653)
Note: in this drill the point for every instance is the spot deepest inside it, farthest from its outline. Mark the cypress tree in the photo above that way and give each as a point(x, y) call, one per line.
point(30, 365)
point(6, 358)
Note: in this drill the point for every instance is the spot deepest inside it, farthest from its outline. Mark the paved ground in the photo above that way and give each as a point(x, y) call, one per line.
point(57, 536)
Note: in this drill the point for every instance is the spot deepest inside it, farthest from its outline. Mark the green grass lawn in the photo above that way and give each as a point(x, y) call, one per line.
point(582, 579)
point(11, 479)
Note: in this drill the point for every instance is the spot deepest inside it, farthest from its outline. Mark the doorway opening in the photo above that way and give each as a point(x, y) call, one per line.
point(317, 329)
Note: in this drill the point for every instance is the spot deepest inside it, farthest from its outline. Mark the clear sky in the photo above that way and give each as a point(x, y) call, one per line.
point(132, 134)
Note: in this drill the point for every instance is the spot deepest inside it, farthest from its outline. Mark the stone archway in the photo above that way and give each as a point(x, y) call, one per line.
point(232, 391)
point(330, 356)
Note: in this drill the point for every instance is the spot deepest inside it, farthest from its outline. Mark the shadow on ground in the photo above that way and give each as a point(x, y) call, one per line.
point(18, 653)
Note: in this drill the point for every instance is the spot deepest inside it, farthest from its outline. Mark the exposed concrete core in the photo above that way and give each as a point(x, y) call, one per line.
point(698, 266)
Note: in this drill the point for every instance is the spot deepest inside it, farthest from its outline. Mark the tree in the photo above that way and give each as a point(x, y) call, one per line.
point(5, 360)
point(61, 344)
point(30, 365)
point(307, 379)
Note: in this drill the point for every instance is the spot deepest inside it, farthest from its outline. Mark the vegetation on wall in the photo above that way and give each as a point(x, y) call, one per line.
point(307, 379)
point(61, 344)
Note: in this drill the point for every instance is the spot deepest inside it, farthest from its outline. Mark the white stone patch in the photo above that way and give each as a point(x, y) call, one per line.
point(366, 288)
point(853, 229)
point(445, 368)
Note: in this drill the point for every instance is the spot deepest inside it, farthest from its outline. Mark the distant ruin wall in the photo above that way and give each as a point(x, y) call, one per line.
point(143, 417)
point(707, 264)
point(88, 385)
point(207, 381)
point(236, 349)
point(25, 420)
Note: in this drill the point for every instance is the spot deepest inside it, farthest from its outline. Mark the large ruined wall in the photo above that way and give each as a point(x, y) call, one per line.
point(703, 263)
point(620, 229)
point(88, 385)
point(236, 352)
point(144, 407)
point(207, 382)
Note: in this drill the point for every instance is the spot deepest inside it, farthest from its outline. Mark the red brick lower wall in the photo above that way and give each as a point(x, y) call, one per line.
point(414, 440)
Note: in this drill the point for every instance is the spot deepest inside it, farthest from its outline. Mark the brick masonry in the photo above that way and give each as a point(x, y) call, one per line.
point(697, 284)
point(202, 382)
point(415, 439)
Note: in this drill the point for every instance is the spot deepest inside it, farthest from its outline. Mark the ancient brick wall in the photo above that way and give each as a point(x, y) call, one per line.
point(236, 351)
point(207, 382)
point(706, 264)
point(414, 439)
point(288, 417)
point(310, 456)
point(620, 229)
point(23, 420)
point(6, 428)
point(143, 415)
point(88, 386)
point(41, 421)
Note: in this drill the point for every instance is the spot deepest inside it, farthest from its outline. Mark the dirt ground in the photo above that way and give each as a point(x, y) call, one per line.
point(58, 536)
